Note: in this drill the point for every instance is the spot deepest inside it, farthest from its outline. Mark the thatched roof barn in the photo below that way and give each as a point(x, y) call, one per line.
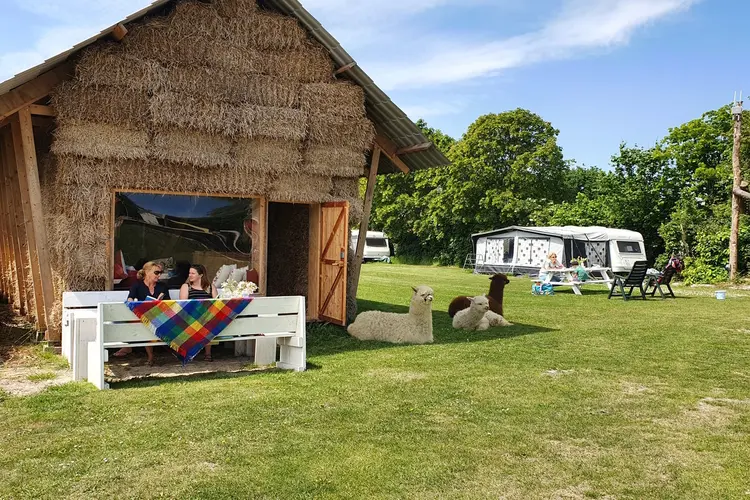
point(224, 100)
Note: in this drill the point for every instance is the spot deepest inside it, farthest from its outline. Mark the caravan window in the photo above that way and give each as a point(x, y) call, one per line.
point(376, 242)
point(629, 247)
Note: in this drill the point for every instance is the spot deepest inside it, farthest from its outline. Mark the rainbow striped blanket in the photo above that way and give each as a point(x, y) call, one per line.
point(188, 325)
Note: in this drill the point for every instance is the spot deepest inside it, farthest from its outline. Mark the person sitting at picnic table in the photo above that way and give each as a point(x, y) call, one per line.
point(551, 264)
point(148, 287)
point(199, 287)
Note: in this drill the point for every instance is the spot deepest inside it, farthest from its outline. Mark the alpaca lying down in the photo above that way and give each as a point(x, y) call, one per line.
point(474, 317)
point(497, 288)
point(415, 327)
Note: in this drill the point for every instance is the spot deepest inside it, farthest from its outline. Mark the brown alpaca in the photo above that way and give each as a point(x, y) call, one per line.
point(497, 287)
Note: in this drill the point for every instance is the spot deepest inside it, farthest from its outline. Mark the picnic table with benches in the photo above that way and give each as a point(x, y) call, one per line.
point(569, 277)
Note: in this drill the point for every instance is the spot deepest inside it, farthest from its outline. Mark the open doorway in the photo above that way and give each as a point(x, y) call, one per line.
point(288, 249)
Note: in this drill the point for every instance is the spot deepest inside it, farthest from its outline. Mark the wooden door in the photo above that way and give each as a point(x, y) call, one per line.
point(334, 242)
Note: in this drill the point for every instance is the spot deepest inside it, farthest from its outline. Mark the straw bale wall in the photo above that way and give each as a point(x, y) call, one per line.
point(217, 97)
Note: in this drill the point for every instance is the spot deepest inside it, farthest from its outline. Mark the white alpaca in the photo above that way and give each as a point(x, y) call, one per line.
point(473, 318)
point(496, 320)
point(412, 328)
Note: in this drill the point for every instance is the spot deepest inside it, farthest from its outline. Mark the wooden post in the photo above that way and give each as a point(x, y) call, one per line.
point(31, 197)
point(260, 243)
point(4, 227)
point(369, 193)
point(313, 265)
point(17, 229)
point(734, 237)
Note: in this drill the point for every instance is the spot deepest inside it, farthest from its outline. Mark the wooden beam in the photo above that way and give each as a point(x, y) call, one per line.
point(31, 197)
point(32, 91)
point(363, 225)
point(119, 31)
point(260, 242)
point(39, 110)
point(5, 255)
point(18, 229)
point(344, 68)
point(414, 149)
point(389, 150)
point(313, 265)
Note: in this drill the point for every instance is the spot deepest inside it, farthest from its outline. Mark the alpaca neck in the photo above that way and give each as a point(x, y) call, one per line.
point(496, 291)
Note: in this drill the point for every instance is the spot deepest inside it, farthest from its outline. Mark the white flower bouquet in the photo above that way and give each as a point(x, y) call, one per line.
point(232, 289)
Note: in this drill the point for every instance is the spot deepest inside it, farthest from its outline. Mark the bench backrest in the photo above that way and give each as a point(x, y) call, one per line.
point(637, 274)
point(89, 300)
point(268, 316)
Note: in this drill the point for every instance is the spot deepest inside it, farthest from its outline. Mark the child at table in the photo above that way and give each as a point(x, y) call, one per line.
point(580, 273)
point(551, 264)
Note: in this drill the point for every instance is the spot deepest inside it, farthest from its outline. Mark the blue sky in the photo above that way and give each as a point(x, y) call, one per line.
point(601, 71)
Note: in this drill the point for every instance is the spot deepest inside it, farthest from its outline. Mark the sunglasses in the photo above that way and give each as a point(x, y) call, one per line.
point(158, 273)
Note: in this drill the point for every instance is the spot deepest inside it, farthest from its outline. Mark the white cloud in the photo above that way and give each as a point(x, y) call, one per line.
point(73, 21)
point(582, 25)
point(432, 110)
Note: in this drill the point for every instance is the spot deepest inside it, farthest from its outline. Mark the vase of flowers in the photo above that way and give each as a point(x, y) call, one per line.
point(232, 289)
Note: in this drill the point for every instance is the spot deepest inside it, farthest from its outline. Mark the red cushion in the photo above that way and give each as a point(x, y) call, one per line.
point(252, 275)
point(119, 268)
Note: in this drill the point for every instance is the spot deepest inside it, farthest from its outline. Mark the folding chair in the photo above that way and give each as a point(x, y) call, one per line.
point(663, 280)
point(634, 280)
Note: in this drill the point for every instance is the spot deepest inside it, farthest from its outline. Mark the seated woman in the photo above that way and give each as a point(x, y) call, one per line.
point(550, 264)
point(198, 286)
point(148, 287)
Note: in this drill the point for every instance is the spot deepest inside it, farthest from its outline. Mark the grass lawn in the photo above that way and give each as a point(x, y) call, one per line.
point(583, 398)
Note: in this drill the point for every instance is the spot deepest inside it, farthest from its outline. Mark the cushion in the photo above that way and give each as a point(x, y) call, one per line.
point(120, 272)
point(239, 274)
point(223, 274)
point(253, 276)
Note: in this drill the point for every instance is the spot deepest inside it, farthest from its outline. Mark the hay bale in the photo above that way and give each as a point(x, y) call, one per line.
point(309, 65)
point(151, 41)
point(300, 189)
point(175, 110)
point(266, 31)
point(342, 99)
point(191, 18)
point(355, 134)
point(111, 65)
point(274, 123)
point(332, 160)
point(236, 8)
point(186, 146)
point(105, 104)
point(268, 155)
point(345, 188)
point(261, 90)
point(98, 140)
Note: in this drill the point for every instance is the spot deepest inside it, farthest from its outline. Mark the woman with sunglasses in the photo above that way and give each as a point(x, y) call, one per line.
point(148, 288)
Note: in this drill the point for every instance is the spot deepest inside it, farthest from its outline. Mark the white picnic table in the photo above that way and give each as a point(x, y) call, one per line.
point(569, 277)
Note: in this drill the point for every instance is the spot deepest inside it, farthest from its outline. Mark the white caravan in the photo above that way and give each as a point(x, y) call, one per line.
point(519, 250)
point(377, 245)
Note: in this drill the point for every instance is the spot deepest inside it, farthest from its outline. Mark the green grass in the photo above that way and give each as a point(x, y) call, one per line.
point(583, 398)
point(41, 377)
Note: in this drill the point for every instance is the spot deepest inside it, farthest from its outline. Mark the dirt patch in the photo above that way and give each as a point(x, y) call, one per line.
point(634, 389)
point(25, 381)
point(557, 373)
point(396, 375)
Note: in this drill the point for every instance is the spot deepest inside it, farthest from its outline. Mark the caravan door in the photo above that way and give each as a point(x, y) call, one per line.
point(532, 251)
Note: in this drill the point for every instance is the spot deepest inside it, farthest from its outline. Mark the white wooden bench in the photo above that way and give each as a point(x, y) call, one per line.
point(264, 323)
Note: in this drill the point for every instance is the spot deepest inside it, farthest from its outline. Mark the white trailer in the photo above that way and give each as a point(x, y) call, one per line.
point(520, 250)
point(377, 245)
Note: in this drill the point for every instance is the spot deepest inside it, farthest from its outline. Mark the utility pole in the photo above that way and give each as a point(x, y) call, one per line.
point(736, 199)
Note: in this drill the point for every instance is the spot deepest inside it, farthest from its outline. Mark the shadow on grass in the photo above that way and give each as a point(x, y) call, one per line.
point(143, 382)
point(326, 339)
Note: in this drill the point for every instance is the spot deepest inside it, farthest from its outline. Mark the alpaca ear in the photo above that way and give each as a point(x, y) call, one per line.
point(414, 288)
